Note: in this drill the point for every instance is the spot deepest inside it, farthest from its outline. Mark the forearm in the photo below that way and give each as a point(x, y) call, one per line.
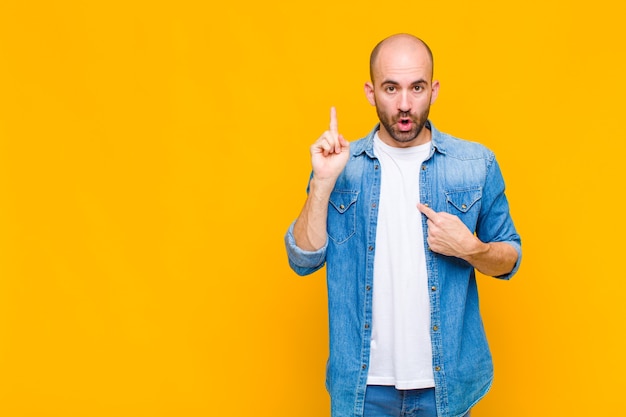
point(310, 228)
point(492, 259)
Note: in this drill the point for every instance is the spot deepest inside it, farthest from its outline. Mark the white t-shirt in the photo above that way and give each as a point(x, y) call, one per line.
point(401, 352)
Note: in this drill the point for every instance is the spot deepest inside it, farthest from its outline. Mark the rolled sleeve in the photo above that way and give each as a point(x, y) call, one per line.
point(518, 248)
point(303, 262)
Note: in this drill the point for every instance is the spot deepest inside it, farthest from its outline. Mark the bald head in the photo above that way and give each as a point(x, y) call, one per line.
point(399, 42)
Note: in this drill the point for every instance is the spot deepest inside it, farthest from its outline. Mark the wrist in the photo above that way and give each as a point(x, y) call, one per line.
point(321, 188)
point(476, 250)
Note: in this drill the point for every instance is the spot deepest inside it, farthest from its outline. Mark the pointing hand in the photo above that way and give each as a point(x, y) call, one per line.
point(447, 234)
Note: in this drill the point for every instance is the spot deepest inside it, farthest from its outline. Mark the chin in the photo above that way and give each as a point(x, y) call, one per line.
point(404, 137)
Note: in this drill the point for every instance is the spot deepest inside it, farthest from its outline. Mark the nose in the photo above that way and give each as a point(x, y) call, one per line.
point(404, 103)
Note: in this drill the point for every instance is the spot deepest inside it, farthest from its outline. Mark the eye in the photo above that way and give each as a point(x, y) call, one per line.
point(418, 88)
point(390, 89)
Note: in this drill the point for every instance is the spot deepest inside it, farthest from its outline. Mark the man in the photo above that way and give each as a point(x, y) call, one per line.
point(402, 219)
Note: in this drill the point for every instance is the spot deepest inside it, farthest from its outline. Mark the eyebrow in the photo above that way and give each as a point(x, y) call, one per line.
point(420, 81)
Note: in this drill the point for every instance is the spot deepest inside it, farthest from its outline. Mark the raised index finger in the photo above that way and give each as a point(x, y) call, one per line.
point(333, 121)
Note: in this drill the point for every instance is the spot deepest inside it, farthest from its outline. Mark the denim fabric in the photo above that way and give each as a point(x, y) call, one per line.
point(458, 177)
point(387, 401)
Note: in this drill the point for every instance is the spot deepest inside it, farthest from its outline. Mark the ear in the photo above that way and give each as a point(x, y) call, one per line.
point(434, 91)
point(369, 93)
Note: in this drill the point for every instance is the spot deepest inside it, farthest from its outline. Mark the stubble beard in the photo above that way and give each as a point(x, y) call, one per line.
point(390, 123)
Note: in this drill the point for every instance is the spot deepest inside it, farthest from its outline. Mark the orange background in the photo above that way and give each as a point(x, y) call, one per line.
point(152, 155)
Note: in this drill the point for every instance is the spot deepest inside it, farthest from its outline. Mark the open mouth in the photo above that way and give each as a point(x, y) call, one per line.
point(405, 124)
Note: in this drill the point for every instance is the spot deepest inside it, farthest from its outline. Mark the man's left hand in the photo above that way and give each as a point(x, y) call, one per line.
point(448, 235)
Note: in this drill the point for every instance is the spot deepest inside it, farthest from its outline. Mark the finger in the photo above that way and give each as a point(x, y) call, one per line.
point(427, 211)
point(327, 147)
point(333, 141)
point(333, 121)
point(323, 146)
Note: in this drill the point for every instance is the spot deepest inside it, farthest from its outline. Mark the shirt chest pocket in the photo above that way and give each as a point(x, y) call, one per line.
point(465, 204)
point(341, 223)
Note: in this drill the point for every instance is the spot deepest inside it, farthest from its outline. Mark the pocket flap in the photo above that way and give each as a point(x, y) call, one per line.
point(463, 200)
point(342, 200)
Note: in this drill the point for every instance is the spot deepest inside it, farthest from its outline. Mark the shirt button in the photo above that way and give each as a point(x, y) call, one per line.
point(363, 366)
point(437, 368)
point(371, 248)
point(433, 288)
point(423, 167)
point(367, 325)
point(375, 166)
point(368, 287)
point(435, 328)
point(374, 205)
point(463, 206)
point(426, 204)
point(342, 207)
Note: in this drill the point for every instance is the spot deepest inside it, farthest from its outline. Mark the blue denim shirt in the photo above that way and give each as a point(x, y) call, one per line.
point(459, 177)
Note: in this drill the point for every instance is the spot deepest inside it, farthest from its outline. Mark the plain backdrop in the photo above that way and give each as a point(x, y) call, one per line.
point(153, 153)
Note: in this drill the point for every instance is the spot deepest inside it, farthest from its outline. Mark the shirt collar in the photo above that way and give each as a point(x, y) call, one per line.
point(367, 144)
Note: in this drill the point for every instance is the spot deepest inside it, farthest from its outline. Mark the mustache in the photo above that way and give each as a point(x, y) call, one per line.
point(404, 115)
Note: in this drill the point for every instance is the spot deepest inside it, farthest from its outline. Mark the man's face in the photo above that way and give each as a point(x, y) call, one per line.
point(402, 92)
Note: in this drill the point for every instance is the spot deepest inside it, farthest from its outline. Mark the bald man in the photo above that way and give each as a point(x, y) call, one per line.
point(402, 219)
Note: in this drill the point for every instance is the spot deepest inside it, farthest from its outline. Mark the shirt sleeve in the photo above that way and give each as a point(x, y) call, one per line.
point(301, 261)
point(495, 223)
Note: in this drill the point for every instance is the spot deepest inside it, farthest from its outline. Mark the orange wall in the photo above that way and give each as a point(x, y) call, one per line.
point(152, 155)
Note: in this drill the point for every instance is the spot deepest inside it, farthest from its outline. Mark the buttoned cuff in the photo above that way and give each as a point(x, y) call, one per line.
point(518, 248)
point(303, 262)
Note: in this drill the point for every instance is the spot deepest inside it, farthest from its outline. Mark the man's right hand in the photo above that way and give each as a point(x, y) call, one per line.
point(330, 153)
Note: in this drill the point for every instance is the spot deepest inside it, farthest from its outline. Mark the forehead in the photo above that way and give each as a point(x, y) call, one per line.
point(402, 61)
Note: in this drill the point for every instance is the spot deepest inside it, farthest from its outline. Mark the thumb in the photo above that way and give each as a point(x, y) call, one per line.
point(344, 143)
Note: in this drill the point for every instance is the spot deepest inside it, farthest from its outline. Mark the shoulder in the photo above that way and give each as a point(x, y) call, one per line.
point(364, 145)
point(458, 148)
point(359, 146)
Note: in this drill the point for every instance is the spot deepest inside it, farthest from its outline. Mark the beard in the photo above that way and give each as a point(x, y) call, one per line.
point(390, 123)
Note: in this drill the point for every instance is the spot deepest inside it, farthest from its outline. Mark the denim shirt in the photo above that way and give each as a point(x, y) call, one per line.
point(459, 177)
